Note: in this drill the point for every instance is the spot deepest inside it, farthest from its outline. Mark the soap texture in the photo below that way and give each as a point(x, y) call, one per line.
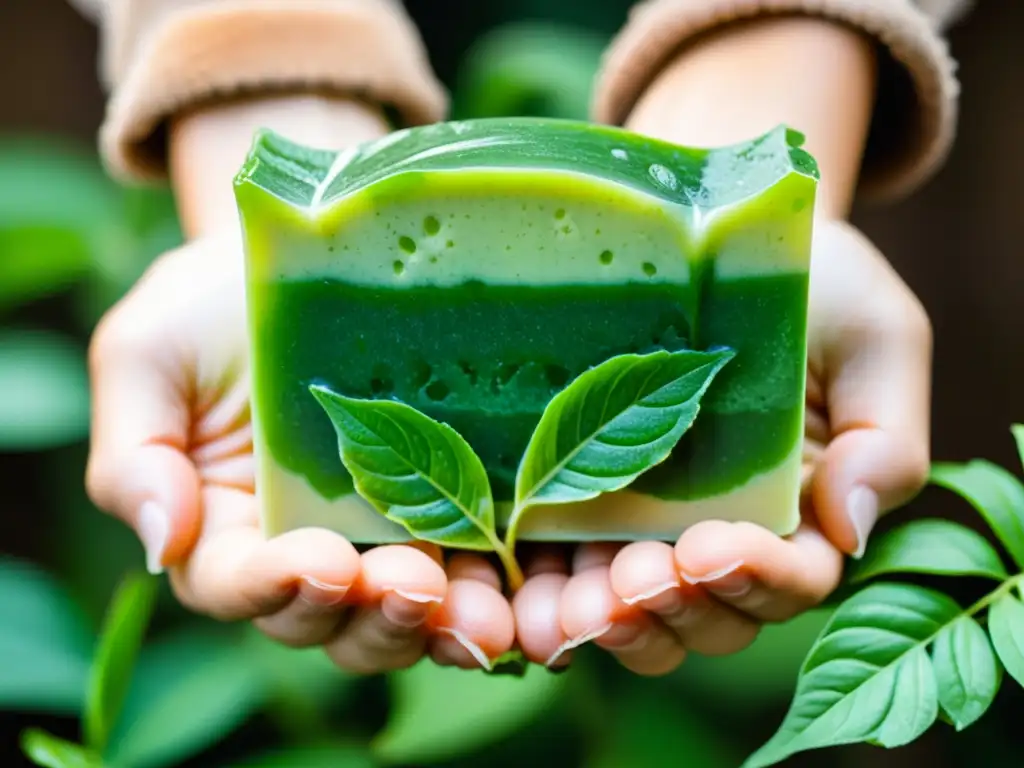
point(472, 269)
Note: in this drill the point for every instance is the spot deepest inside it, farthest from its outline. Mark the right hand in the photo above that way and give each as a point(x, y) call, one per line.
point(171, 456)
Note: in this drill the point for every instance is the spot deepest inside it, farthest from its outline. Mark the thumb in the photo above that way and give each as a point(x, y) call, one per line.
point(138, 466)
point(875, 352)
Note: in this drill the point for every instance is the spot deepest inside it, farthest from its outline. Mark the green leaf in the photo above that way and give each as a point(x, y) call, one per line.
point(418, 472)
point(45, 643)
point(1018, 437)
point(326, 756)
point(644, 730)
point(966, 671)
point(196, 679)
point(444, 712)
point(527, 68)
point(44, 391)
point(611, 424)
point(995, 493)
point(929, 546)
point(123, 631)
point(869, 677)
point(1006, 628)
point(49, 751)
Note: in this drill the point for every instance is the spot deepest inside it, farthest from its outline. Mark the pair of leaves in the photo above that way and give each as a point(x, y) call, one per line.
point(609, 425)
point(894, 657)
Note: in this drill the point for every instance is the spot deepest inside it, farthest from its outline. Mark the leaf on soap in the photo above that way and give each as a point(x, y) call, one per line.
point(49, 751)
point(966, 671)
point(45, 643)
point(995, 493)
point(123, 631)
point(1006, 628)
point(939, 547)
point(439, 713)
point(418, 472)
point(612, 423)
point(869, 677)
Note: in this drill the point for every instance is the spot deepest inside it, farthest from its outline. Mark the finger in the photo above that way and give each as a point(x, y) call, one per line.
point(545, 558)
point(467, 566)
point(876, 345)
point(138, 469)
point(751, 569)
point(590, 610)
point(538, 620)
point(473, 626)
point(597, 555)
point(235, 573)
point(398, 588)
point(645, 575)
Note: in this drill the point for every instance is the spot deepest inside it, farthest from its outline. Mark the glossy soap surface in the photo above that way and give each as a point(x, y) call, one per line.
point(472, 269)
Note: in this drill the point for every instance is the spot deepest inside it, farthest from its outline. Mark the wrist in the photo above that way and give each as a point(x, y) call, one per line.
point(809, 73)
point(208, 144)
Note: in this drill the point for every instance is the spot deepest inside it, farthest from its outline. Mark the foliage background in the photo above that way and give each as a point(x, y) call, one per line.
point(209, 695)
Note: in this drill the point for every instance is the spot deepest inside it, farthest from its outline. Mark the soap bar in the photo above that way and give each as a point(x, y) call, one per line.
point(471, 269)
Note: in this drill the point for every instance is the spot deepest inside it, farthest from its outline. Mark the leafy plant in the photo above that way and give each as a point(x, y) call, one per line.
point(894, 657)
point(606, 427)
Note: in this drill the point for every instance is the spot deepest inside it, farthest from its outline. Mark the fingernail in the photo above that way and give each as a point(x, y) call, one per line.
point(469, 646)
point(575, 642)
point(663, 597)
point(407, 609)
point(862, 509)
point(625, 637)
point(725, 582)
point(154, 528)
point(322, 593)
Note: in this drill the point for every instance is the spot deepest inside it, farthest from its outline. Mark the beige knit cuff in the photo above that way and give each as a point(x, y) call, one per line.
point(164, 55)
point(915, 117)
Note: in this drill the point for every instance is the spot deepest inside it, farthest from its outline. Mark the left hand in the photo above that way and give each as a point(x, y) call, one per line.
point(866, 451)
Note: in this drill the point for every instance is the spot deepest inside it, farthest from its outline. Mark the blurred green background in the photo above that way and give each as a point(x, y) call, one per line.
point(72, 242)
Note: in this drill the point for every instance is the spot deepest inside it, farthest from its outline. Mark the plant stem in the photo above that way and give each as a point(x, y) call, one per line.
point(513, 572)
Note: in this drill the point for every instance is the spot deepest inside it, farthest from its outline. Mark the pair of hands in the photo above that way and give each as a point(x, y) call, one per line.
point(172, 457)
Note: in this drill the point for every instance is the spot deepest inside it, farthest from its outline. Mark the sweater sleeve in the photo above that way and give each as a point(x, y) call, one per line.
point(915, 115)
point(161, 56)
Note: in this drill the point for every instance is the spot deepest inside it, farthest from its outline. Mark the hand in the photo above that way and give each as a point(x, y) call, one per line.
point(866, 451)
point(171, 456)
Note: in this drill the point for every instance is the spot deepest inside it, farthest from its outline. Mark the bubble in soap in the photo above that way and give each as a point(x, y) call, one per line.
point(407, 244)
point(607, 257)
point(398, 266)
point(431, 225)
point(620, 154)
point(560, 213)
point(649, 269)
point(664, 176)
point(437, 391)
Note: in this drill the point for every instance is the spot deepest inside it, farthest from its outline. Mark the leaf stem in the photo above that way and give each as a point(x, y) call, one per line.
point(513, 572)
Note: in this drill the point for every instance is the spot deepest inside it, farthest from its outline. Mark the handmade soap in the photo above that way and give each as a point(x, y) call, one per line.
point(471, 269)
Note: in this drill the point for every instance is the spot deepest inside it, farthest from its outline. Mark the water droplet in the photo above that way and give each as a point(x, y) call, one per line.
point(398, 266)
point(607, 257)
point(649, 269)
point(407, 244)
point(620, 154)
point(431, 225)
point(664, 176)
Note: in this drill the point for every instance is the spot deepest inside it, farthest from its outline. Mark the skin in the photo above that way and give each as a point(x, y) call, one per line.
point(171, 451)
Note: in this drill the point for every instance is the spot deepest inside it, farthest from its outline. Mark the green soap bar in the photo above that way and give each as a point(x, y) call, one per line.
point(471, 269)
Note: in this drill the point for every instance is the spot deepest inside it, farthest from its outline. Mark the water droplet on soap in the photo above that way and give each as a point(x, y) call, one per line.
point(398, 266)
point(664, 176)
point(407, 244)
point(607, 257)
point(620, 154)
point(649, 269)
point(431, 225)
